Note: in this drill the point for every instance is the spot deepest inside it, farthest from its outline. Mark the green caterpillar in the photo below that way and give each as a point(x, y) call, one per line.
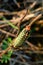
point(20, 39)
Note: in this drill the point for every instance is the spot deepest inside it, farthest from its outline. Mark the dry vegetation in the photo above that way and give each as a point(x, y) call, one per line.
point(26, 25)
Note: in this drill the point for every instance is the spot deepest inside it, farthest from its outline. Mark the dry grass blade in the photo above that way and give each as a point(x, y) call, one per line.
point(8, 33)
point(39, 22)
point(36, 18)
point(34, 3)
point(3, 25)
point(32, 46)
point(38, 9)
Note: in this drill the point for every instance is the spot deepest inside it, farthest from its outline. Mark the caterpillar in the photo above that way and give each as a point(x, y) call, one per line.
point(21, 37)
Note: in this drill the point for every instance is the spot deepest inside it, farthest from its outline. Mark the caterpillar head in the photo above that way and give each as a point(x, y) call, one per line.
point(28, 28)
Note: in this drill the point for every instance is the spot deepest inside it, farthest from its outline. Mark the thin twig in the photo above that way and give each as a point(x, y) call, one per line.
point(33, 4)
point(39, 22)
point(36, 18)
point(32, 46)
point(16, 3)
point(7, 33)
point(37, 52)
point(3, 25)
point(38, 9)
